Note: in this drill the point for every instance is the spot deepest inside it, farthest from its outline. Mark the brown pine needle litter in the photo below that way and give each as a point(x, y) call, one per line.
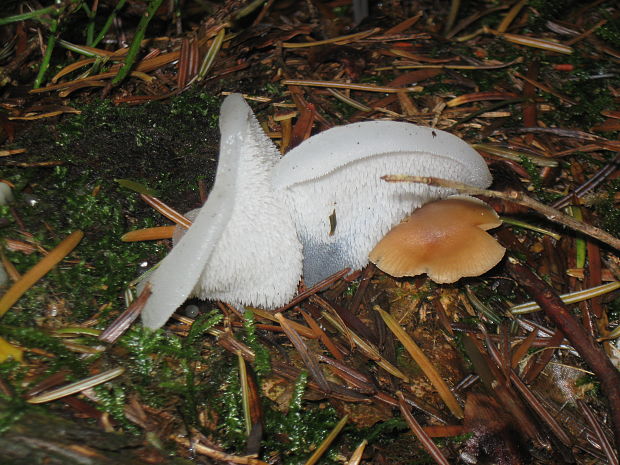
point(149, 234)
point(78, 386)
point(48, 262)
point(422, 360)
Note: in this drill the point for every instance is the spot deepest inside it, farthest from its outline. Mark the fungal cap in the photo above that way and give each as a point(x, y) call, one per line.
point(445, 239)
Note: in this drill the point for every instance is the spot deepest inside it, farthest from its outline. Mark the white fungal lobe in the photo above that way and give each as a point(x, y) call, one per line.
point(340, 171)
point(6, 193)
point(258, 258)
point(242, 247)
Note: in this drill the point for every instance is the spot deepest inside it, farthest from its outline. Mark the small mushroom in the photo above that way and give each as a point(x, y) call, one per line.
point(242, 247)
point(445, 239)
point(339, 203)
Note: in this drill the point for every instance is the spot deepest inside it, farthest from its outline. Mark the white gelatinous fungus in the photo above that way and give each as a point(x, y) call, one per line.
point(445, 239)
point(339, 203)
point(6, 193)
point(242, 247)
point(326, 195)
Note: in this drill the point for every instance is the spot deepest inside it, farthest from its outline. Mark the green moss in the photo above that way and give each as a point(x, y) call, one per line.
point(169, 146)
point(295, 434)
point(273, 89)
point(164, 145)
point(592, 97)
point(11, 410)
point(12, 407)
point(61, 357)
point(162, 369)
point(232, 424)
point(610, 31)
point(295, 424)
point(613, 310)
point(594, 385)
point(101, 266)
point(351, 289)
point(536, 180)
point(262, 364)
point(141, 343)
point(111, 398)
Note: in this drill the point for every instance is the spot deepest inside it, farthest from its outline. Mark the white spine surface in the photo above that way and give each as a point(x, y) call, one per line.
point(242, 247)
point(341, 206)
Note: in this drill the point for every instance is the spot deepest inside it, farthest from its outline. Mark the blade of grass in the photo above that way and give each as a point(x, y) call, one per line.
point(580, 243)
point(47, 56)
point(108, 23)
point(422, 360)
point(39, 270)
point(29, 15)
point(210, 56)
point(531, 227)
point(137, 187)
point(142, 67)
point(134, 48)
point(91, 15)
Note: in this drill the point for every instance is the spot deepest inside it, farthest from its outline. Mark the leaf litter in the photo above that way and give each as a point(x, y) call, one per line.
point(534, 85)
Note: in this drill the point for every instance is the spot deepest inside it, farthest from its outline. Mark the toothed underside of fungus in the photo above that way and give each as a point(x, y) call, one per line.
point(242, 247)
point(340, 205)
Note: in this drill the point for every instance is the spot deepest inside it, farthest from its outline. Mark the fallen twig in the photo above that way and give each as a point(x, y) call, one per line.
point(592, 354)
point(515, 197)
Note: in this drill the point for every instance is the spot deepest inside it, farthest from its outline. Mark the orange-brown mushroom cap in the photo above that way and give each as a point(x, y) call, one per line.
point(445, 239)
